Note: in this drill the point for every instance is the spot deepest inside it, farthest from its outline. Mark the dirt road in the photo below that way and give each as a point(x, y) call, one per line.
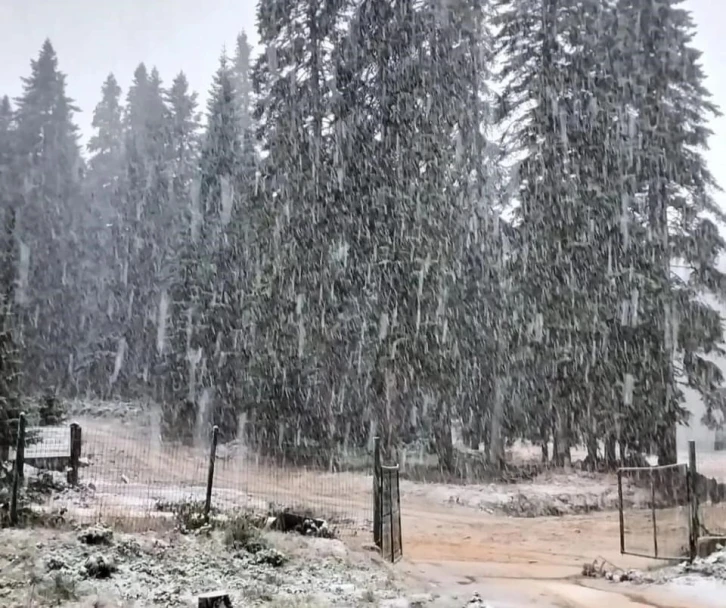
point(452, 549)
point(525, 562)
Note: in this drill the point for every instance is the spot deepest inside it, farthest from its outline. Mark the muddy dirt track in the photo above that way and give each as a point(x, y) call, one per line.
point(513, 562)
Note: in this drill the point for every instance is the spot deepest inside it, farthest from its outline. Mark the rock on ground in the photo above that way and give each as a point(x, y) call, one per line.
point(712, 567)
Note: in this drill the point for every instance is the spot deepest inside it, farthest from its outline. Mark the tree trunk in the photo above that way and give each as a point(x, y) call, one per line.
point(592, 451)
point(610, 453)
point(563, 439)
point(592, 434)
point(496, 441)
point(471, 433)
point(667, 450)
point(474, 431)
point(544, 443)
point(442, 435)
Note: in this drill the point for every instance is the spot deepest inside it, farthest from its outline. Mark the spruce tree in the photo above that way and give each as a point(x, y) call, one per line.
point(184, 161)
point(242, 82)
point(610, 85)
point(671, 200)
point(559, 228)
point(295, 312)
point(103, 288)
point(183, 137)
point(49, 220)
point(406, 227)
point(106, 144)
point(146, 246)
point(6, 126)
point(9, 356)
point(215, 287)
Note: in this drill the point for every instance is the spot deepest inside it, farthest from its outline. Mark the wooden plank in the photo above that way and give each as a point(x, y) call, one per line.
point(214, 599)
point(51, 442)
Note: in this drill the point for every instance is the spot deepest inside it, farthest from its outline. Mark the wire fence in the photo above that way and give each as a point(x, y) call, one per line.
point(711, 493)
point(660, 526)
point(128, 476)
point(687, 502)
point(123, 474)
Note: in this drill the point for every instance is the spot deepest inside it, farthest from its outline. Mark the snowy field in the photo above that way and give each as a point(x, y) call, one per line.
point(457, 538)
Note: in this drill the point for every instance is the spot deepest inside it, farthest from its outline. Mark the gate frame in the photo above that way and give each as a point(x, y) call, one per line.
point(380, 500)
point(391, 471)
point(692, 501)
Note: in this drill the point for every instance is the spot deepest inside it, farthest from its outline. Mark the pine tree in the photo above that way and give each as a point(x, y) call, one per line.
point(670, 187)
point(184, 155)
point(106, 144)
point(242, 83)
point(145, 238)
point(405, 227)
point(561, 228)
point(49, 221)
point(103, 288)
point(460, 220)
point(7, 155)
point(6, 125)
point(295, 315)
point(215, 287)
point(597, 186)
point(183, 138)
point(9, 356)
point(241, 79)
point(483, 319)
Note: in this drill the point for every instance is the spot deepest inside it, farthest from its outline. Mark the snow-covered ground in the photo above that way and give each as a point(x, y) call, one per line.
point(703, 582)
point(51, 567)
point(551, 493)
point(127, 475)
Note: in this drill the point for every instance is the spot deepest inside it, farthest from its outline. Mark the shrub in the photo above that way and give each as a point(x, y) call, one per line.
point(242, 533)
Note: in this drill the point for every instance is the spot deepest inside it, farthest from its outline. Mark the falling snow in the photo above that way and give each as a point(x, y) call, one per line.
point(391, 218)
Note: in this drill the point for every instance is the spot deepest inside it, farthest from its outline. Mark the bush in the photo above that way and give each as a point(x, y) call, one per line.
point(242, 532)
point(189, 515)
point(59, 589)
point(52, 411)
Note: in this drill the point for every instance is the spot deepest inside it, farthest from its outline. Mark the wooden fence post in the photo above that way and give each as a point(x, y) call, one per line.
point(694, 524)
point(210, 474)
point(377, 540)
point(653, 516)
point(75, 455)
point(621, 515)
point(18, 470)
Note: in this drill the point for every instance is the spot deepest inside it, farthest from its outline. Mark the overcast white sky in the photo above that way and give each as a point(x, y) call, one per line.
point(93, 38)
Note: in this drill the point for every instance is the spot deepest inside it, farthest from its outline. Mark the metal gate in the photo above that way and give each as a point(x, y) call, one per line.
point(664, 528)
point(387, 512)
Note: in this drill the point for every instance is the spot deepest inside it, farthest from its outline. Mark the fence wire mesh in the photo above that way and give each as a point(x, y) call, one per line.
point(659, 527)
point(390, 508)
point(712, 493)
point(129, 477)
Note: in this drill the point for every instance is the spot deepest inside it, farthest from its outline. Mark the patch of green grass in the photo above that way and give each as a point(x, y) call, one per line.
point(189, 514)
point(241, 532)
point(60, 590)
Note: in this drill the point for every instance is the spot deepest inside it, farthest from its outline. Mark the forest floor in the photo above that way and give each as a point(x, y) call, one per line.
point(516, 545)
